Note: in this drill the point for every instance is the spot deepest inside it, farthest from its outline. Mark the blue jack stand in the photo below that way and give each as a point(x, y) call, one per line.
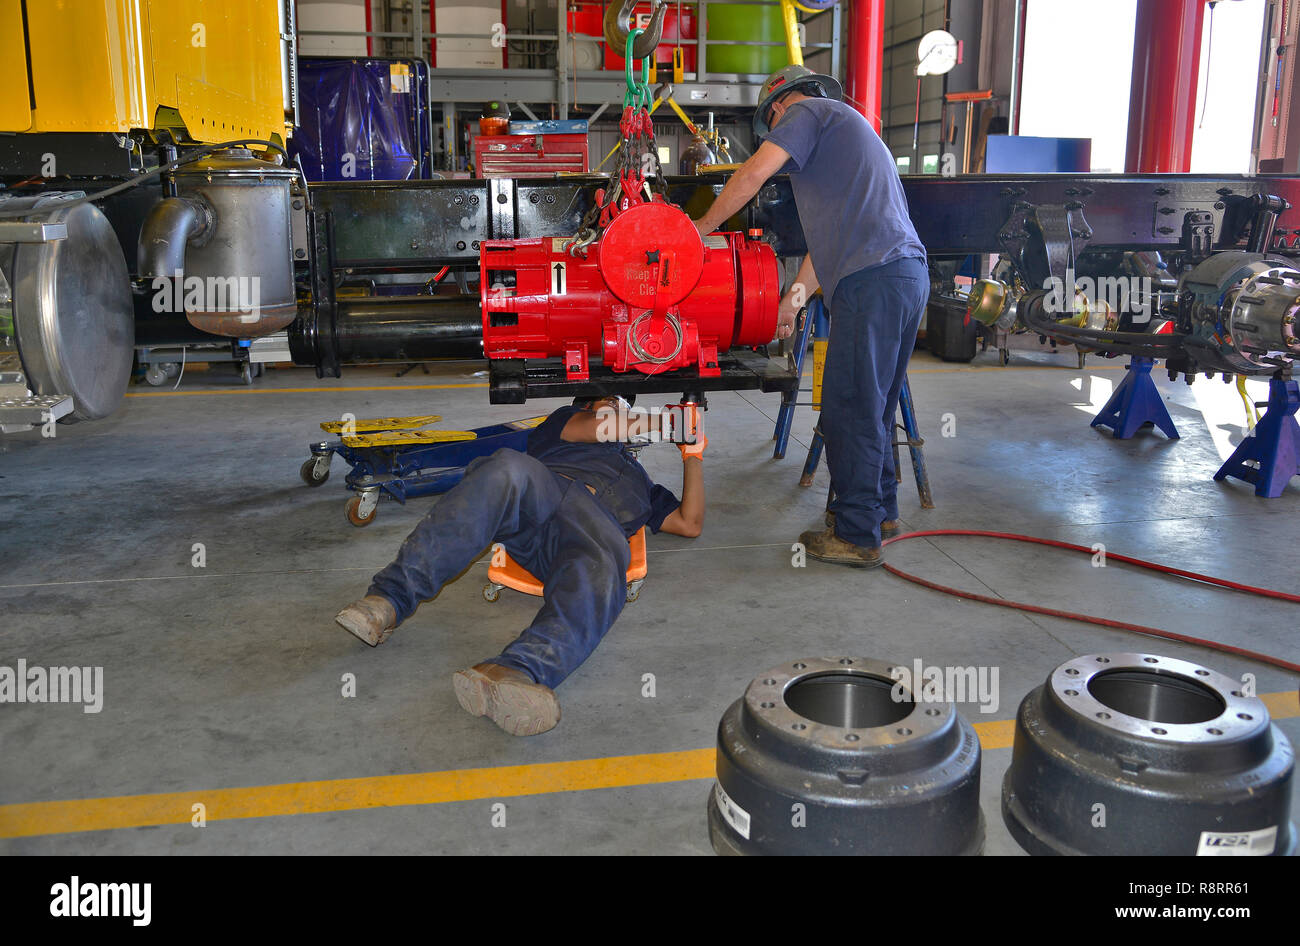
point(1274, 444)
point(912, 434)
point(1136, 403)
point(816, 325)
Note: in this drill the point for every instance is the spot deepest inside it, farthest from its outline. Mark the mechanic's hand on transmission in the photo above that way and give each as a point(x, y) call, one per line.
point(786, 313)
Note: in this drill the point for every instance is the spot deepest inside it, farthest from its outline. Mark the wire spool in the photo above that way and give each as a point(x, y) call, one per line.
point(649, 349)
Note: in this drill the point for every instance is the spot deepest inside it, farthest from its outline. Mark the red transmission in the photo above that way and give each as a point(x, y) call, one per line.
point(648, 295)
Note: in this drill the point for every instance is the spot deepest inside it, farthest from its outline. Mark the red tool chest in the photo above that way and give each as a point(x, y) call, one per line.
point(526, 155)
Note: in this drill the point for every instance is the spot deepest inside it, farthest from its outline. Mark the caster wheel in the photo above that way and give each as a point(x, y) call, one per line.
point(156, 375)
point(1083, 359)
point(1004, 356)
point(354, 513)
point(246, 373)
point(491, 593)
point(311, 476)
point(634, 591)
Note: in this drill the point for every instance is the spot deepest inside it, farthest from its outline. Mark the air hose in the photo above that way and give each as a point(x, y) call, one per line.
point(1091, 619)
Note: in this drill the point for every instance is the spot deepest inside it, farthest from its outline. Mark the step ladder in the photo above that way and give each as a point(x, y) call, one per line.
point(815, 325)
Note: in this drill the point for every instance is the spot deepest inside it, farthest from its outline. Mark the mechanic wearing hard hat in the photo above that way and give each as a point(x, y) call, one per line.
point(871, 267)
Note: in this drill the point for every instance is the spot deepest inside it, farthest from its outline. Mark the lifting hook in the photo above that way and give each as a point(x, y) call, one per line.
point(617, 32)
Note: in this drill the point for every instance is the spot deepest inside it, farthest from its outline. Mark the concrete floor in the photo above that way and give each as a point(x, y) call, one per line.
point(229, 675)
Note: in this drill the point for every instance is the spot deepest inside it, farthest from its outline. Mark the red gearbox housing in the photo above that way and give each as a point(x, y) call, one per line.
point(648, 295)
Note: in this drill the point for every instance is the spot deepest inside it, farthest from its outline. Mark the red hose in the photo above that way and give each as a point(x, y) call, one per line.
point(1090, 619)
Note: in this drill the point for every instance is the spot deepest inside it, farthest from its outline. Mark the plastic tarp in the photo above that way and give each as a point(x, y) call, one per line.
point(363, 120)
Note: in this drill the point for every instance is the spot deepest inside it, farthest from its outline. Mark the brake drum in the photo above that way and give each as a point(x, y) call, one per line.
point(1142, 754)
point(829, 756)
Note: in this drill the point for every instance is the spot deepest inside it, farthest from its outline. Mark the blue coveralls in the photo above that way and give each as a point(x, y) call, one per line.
point(874, 319)
point(538, 506)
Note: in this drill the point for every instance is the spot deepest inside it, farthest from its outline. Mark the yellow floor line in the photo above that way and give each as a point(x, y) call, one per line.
point(996, 733)
point(1282, 705)
point(424, 788)
point(298, 798)
point(318, 390)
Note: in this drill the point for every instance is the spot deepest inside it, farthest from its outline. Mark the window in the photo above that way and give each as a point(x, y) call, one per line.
point(1077, 72)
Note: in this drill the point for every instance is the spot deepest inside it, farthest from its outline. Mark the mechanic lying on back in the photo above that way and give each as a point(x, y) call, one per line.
point(564, 511)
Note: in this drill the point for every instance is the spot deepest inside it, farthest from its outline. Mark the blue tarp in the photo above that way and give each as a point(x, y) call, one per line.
point(363, 120)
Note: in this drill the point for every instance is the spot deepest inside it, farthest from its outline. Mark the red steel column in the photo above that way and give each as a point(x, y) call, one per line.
point(1162, 98)
point(864, 77)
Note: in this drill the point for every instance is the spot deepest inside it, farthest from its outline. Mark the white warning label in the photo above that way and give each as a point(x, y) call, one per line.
point(557, 279)
point(735, 816)
point(1237, 843)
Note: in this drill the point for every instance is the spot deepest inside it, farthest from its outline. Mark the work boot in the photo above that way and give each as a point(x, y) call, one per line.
point(508, 697)
point(371, 618)
point(829, 547)
point(888, 529)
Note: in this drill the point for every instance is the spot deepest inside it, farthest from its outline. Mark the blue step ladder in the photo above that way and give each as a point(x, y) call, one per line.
point(1273, 446)
point(816, 326)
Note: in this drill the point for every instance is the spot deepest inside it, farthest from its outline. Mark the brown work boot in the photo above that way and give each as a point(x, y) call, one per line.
point(888, 529)
point(371, 618)
point(508, 697)
point(829, 547)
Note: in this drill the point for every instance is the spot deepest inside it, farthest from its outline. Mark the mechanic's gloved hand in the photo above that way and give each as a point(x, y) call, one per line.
point(693, 440)
point(694, 449)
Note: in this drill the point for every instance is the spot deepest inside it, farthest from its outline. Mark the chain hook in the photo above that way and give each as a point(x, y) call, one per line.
point(617, 32)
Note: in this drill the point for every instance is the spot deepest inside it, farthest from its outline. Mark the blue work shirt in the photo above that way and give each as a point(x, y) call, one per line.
point(619, 481)
point(846, 187)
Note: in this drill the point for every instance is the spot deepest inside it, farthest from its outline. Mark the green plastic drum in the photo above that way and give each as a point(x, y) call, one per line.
point(730, 22)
